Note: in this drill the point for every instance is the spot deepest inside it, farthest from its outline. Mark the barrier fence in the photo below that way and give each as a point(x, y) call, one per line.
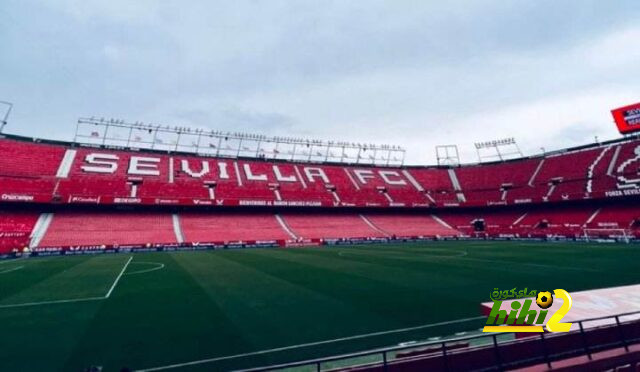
point(490, 351)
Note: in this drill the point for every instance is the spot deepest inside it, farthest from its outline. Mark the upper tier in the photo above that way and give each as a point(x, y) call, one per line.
point(69, 173)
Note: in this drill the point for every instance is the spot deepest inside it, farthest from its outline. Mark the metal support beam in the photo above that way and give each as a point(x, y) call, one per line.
point(5, 118)
point(118, 133)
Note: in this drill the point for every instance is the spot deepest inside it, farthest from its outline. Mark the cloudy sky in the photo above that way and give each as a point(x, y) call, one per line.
point(414, 73)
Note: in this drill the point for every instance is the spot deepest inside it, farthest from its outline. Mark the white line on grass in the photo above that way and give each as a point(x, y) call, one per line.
point(409, 254)
point(268, 351)
point(113, 286)
point(12, 269)
point(158, 266)
point(85, 299)
point(531, 264)
point(463, 255)
point(52, 302)
point(10, 260)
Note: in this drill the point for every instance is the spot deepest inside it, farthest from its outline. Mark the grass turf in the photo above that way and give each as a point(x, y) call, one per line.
point(178, 307)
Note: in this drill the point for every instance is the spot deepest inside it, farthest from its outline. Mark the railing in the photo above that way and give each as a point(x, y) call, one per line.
point(384, 357)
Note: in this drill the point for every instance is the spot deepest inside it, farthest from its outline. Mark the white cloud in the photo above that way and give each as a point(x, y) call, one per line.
point(556, 99)
point(615, 50)
point(411, 73)
point(554, 122)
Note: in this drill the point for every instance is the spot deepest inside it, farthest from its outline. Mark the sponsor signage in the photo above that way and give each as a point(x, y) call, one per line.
point(84, 199)
point(17, 197)
point(280, 203)
point(167, 201)
point(13, 234)
point(127, 200)
point(627, 192)
point(523, 201)
point(202, 202)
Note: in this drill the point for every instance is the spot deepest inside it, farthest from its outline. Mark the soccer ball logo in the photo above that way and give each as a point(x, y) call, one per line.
point(544, 300)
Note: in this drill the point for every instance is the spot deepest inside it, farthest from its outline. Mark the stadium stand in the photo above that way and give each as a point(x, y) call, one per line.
point(29, 159)
point(531, 197)
point(437, 185)
point(495, 182)
point(618, 217)
point(231, 227)
point(15, 229)
point(411, 225)
point(330, 226)
point(565, 173)
point(70, 229)
point(63, 171)
point(483, 222)
point(569, 221)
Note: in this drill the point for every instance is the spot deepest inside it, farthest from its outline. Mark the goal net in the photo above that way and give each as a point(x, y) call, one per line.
point(595, 235)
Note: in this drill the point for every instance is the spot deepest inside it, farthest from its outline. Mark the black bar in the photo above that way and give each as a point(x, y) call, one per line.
point(624, 340)
point(548, 357)
point(497, 350)
point(445, 356)
point(544, 350)
point(384, 360)
point(584, 341)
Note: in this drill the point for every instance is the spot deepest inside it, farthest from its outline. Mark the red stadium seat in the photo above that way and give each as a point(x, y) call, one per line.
point(517, 198)
point(108, 228)
point(226, 227)
point(329, 226)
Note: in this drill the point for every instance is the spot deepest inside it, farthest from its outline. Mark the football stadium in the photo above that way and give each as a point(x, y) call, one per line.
point(138, 246)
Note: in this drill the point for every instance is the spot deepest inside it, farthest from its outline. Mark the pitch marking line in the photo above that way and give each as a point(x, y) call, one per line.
point(532, 264)
point(11, 270)
point(463, 256)
point(11, 260)
point(158, 266)
point(85, 299)
point(52, 302)
point(411, 255)
point(300, 346)
point(113, 286)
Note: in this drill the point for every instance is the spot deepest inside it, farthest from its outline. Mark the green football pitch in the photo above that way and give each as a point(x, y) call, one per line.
point(234, 309)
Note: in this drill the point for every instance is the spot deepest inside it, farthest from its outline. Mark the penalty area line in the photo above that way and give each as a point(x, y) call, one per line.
point(300, 346)
point(85, 299)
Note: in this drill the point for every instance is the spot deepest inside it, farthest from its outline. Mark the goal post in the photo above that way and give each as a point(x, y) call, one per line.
point(591, 234)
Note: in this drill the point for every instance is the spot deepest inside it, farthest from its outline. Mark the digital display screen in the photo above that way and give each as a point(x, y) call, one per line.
point(627, 118)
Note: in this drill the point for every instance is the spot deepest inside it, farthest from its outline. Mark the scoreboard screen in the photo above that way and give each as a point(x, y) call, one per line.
point(627, 118)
